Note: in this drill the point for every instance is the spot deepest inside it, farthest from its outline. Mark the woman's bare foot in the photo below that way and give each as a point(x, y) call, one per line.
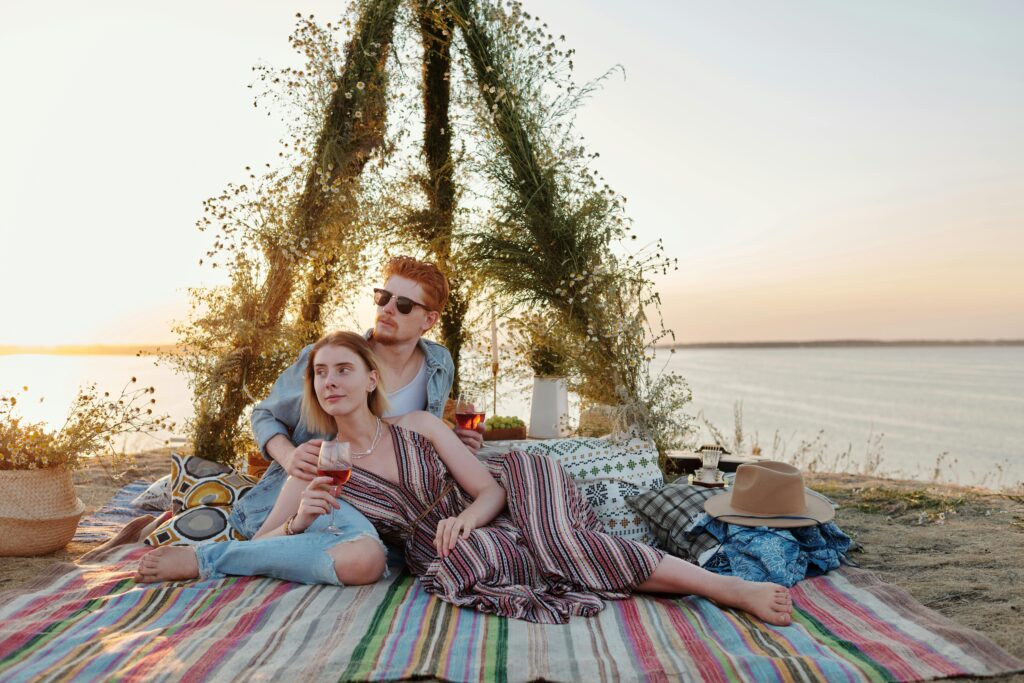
point(769, 602)
point(169, 563)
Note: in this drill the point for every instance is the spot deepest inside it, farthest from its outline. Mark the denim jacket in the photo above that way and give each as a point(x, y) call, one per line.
point(278, 413)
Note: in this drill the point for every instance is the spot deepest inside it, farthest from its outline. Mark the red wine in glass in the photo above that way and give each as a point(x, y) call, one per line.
point(466, 414)
point(470, 419)
point(338, 476)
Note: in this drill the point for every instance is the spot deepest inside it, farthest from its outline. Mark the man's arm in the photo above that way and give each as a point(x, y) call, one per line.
point(275, 418)
point(298, 461)
point(473, 439)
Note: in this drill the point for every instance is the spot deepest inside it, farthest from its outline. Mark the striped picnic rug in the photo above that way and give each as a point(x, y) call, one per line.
point(93, 623)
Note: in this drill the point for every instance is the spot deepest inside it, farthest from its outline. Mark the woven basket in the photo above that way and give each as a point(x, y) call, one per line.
point(39, 511)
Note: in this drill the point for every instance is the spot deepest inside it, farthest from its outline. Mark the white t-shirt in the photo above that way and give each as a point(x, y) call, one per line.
point(411, 397)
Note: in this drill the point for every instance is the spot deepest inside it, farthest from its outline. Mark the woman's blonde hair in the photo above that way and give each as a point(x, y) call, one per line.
point(312, 415)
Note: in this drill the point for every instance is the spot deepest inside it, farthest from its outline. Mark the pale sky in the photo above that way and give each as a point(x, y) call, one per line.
point(821, 170)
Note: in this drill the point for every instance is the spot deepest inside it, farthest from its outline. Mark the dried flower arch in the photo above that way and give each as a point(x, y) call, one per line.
point(543, 239)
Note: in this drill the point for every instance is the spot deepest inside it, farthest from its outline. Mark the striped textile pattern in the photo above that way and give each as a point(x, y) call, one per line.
point(93, 623)
point(545, 559)
point(607, 470)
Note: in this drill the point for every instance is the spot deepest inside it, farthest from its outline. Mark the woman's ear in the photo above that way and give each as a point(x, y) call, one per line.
point(373, 381)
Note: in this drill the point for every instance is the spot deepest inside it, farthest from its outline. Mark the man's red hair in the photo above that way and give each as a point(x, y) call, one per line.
point(427, 275)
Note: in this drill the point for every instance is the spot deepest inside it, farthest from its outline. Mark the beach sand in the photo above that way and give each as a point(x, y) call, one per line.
point(957, 550)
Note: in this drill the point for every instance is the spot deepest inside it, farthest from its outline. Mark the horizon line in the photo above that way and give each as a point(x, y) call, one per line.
point(171, 348)
point(843, 343)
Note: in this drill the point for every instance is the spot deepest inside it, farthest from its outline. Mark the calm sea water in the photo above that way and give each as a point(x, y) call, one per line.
point(964, 405)
point(53, 383)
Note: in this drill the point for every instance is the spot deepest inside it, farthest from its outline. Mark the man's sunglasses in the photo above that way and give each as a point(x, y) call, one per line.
point(403, 303)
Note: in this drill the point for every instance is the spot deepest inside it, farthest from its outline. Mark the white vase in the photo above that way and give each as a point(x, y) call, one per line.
point(549, 410)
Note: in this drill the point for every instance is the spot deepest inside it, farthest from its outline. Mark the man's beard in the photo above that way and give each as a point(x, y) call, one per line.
point(384, 336)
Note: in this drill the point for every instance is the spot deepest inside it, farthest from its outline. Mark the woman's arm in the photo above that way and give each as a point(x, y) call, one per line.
point(307, 500)
point(488, 496)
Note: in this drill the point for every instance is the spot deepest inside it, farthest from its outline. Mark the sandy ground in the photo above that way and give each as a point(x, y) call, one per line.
point(958, 551)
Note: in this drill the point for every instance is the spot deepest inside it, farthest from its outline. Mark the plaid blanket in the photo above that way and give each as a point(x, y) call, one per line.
point(669, 512)
point(93, 623)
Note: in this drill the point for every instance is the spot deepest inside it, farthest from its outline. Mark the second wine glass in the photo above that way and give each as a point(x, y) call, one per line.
point(467, 416)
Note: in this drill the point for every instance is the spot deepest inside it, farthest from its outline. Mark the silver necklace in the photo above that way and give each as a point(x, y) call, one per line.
point(376, 440)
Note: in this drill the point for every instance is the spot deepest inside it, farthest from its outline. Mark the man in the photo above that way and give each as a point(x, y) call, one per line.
point(417, 373)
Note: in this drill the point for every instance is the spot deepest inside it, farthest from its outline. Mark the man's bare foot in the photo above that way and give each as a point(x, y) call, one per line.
point(769, 602)
point(169, 563)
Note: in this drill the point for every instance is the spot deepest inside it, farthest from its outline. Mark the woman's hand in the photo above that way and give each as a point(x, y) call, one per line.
point(317, 499)
point(449, 530)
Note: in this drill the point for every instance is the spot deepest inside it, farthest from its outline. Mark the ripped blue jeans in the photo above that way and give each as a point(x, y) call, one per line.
point(301, 558)
point(251, 510)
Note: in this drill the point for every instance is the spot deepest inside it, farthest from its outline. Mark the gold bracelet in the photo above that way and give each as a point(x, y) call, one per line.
point(288, 526)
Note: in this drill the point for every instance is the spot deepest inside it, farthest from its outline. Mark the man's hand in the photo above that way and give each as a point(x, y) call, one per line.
point(471, 437)
point(301, 461)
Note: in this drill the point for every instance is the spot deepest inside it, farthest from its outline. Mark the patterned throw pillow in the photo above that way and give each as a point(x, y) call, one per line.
point(157, 497)
point(607, 470)
point(196, 481)
point(203, 524)
point(669, 511)
point(202, 493)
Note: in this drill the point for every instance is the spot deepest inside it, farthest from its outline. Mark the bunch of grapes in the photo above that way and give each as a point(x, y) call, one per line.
point(499, 422)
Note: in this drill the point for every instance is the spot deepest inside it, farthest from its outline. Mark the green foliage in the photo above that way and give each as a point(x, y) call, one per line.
point(551, 245)
point(93, 426)
point(535, 338)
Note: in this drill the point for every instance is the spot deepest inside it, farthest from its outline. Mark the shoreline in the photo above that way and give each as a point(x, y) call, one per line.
point(849, 344)
point(174, 349)
point(90, 350)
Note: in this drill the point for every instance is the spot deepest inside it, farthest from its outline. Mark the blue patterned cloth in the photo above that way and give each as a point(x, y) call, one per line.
point(782, 556)
point(107, 521)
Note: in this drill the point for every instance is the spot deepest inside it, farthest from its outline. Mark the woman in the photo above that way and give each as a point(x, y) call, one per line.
point(292, 544)
point(529, 548)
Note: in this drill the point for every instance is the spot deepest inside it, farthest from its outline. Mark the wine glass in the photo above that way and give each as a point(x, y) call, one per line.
point(466, 414)
point(335, 461)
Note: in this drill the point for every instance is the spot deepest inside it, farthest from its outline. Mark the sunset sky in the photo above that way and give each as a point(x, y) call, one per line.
point(821, 170)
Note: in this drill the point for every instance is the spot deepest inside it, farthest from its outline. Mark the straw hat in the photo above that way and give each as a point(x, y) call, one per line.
point(769, 494)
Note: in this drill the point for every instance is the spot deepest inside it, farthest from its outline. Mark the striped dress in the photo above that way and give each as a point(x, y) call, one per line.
point(545, 558)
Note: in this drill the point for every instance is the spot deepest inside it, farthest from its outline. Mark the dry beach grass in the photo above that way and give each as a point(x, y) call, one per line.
point(958, 551)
